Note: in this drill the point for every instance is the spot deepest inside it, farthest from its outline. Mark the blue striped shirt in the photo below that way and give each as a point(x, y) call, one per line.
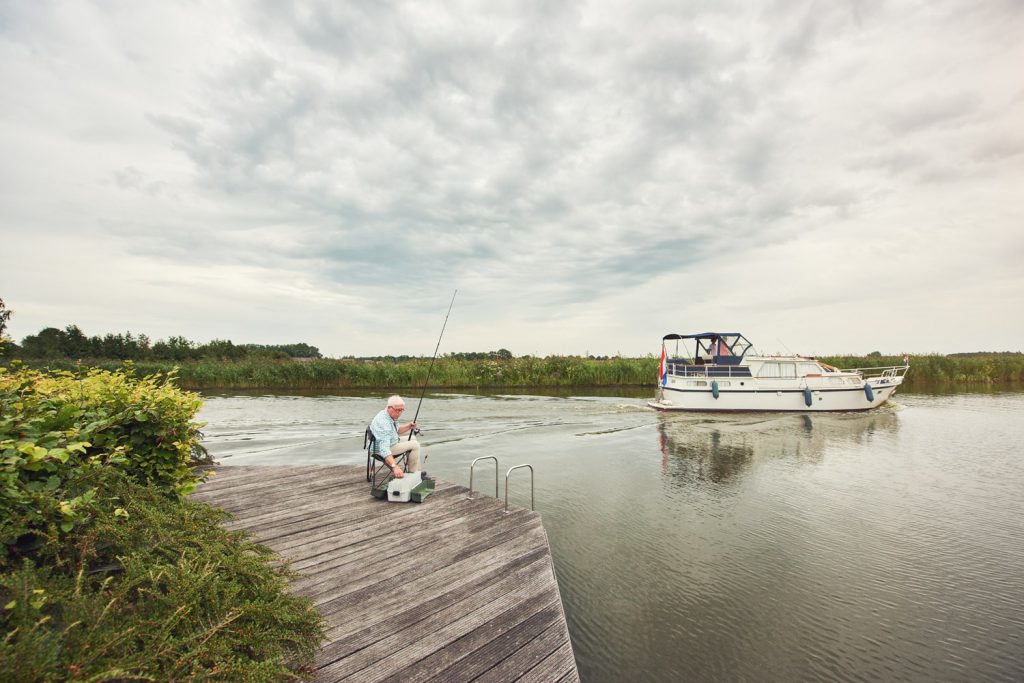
point(385, 430)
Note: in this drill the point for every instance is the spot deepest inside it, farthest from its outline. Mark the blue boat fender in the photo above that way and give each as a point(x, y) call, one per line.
point(714, 389)
point(808, 397)
point(868, 392)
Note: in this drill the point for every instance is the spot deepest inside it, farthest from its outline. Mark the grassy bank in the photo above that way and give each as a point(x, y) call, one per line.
point(386, 374)
point(107, 571)
point(497, 373)
point(995, 368)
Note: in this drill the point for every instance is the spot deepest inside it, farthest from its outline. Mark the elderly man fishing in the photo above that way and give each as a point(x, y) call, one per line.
point(386, 431)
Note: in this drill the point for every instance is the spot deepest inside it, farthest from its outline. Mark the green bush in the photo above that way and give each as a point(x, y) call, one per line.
point(52, 426)
point(154, 589)
point(107, 571)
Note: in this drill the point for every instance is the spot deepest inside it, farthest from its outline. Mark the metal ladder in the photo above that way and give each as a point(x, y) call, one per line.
point(472, 466)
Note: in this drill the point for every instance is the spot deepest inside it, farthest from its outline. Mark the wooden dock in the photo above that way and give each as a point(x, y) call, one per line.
point(453, 589)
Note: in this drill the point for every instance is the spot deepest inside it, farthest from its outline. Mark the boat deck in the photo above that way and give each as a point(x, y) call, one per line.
point(453, 589)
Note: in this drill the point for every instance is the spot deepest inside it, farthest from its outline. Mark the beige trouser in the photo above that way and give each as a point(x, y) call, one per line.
point(413, 446)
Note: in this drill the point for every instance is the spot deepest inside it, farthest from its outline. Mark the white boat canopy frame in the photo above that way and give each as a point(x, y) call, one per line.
point(722, 348)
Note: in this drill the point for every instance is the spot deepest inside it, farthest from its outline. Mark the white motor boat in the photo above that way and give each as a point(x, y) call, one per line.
point(724, 374)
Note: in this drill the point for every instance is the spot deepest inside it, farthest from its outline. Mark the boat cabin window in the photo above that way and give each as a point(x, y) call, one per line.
point(805, 369)
point(784, 370)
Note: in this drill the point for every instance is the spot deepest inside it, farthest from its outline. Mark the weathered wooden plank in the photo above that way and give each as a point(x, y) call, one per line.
point(296, 511)
point(528, 656)
point(400, 624)
point(374, 529)
point(410, 645)
point(556, 665)
point(365, 604)
point(252, 478)
point(321, 494)
point(481, 649)
point(275, 496)
point(345, 553)
point(369, 515)
point(452, 589)
point(377, 530)
point(481, 587)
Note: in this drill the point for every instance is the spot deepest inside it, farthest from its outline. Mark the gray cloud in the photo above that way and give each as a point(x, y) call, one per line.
point(558, 163)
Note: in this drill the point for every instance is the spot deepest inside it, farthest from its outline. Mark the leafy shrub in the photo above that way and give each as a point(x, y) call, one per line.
point(108, 572)
point(54, 427)
point(153, 589)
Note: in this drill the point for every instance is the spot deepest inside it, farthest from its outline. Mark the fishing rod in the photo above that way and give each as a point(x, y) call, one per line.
point(431, 367)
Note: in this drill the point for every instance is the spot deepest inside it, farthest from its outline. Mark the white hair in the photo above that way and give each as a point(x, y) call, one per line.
point(395, 400)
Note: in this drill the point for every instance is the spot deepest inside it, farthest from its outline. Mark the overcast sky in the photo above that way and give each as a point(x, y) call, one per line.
point(825, 177)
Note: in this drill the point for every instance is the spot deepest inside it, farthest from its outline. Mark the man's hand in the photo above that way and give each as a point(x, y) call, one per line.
point(397, 471)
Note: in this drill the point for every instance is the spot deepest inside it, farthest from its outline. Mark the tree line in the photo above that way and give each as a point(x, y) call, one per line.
point(72, 343)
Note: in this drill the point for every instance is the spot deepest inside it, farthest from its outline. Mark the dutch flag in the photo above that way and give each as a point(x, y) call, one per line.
point(662, 368)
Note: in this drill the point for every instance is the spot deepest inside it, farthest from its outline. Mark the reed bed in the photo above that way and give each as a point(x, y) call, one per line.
point(497, 373)
point(987, 368)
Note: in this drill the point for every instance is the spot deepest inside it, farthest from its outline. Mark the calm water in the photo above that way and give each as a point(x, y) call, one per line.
point(879, 546)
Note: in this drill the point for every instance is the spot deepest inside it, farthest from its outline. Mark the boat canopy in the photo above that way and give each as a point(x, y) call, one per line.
point(726, 348)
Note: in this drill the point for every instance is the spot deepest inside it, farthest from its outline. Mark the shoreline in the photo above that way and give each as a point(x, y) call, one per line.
point(495, 374)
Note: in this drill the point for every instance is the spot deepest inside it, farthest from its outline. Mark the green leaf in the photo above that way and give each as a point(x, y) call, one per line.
point(60, 454)
point(67, 526)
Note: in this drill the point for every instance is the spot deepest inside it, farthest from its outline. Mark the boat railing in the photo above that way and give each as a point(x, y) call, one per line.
point(886, 372)
point(689, 370)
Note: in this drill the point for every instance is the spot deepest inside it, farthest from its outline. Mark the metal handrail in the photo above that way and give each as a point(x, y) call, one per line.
point(701, 371)
point(473, 464)
point(886, 371)
point(531, 484)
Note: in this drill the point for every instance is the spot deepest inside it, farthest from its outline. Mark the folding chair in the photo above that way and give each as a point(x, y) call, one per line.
point(378, 473)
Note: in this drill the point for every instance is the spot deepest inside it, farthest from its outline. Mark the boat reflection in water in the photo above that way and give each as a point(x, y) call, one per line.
point(716, 448)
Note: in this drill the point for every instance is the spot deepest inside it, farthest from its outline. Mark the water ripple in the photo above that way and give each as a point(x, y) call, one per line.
point(843, 547)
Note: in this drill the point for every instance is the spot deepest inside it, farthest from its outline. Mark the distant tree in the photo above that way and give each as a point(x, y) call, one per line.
point(114, 346)
point(299, 350)
point(480, 355)
point(75, 344)
point(875, 354)
point(71, 342)
point(5, 315)
point(6, 347)
point(221, 348)
point(49, 343)
point(175, 348)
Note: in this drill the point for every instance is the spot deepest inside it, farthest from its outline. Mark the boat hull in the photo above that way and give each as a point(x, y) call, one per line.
point(792, 396)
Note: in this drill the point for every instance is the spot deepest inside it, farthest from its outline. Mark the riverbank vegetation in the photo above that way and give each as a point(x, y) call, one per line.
point(222, 364)
point(107, 571)
point(492, 371)
point(971, 368)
